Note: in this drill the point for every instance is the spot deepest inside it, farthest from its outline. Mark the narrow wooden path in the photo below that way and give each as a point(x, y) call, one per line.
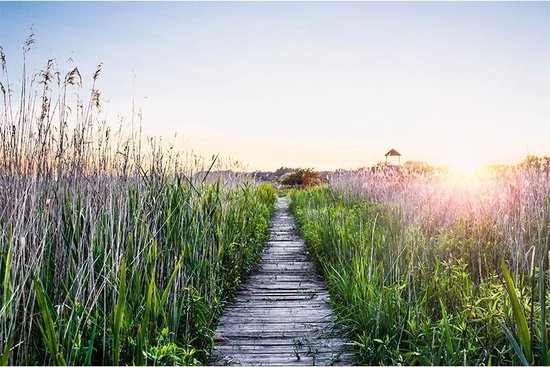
point(282, 313)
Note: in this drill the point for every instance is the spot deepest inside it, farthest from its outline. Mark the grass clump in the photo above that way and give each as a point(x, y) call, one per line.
point(415, 283)
point(302, 177)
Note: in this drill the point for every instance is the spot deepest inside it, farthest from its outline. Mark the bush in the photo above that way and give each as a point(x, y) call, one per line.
point(303, 178)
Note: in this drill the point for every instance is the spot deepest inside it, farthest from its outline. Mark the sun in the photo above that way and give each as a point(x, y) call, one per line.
point(465, 166)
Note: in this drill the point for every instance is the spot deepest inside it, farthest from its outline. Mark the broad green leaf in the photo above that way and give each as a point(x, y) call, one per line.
point(519, 315)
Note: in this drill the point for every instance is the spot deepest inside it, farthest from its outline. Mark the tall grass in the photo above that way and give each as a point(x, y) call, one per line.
point(418, 266)
point(114, 250)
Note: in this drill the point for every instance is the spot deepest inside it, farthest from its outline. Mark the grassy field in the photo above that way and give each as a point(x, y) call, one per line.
point(114, 250)
point(443, 271)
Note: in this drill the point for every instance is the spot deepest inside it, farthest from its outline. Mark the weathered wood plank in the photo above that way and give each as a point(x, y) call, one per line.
point(285, 350)
point(284, 278)
point(264, 319)
point(286, 267)
point(317, 311)
point(274, 294)
point(289, 306)
point(282, 300)
point(305, 286)
point(253, 324)
point(266, 304)
point(240, 334)
point(246, 341)
point(306, 359)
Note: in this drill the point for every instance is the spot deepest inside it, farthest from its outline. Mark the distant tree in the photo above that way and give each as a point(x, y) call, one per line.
point(417, 168)
point(303, 177)
point(283, 170)
point(280, 172)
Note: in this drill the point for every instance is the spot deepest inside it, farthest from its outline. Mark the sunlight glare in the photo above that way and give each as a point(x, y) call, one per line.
point(466, 166)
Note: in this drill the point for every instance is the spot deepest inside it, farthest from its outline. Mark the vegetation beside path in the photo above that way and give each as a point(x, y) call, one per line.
point(113, 249)
point(136, 275)
point(432, 295)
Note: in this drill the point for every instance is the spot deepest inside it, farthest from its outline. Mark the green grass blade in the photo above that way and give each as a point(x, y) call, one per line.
point(48, 330)
point(88, 360)
point(515, 345)
point(7, 275)
point(119, 313)
point(5, 358)
point(144, 328)
point(214, 160)
point(519, 315)
point(170, 281)
point(446, 328)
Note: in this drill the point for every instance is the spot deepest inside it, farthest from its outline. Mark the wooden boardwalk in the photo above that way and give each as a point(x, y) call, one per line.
point(282, 313)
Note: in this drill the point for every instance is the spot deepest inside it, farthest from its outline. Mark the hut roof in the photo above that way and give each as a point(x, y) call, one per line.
point(393, 153)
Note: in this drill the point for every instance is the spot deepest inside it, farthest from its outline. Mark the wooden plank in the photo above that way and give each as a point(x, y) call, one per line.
point(275, 315)
point(239, 334)
point(279, 254)
point(287, 291)
point(298, 304)
point(279, 351)
point(276, 277)
point(270, 269)
point(305, 359)
point(318, 309)
point(282, 266)
point(281, 341)
point(251, 339)
point(306, 284)
point(279, 237)
point(263, 319)
point(279, 262)
point(285, 279)
point(287, 257)
point(284, 243)
point(273, 296)
point(282, 300)
point(291, 247)
point(281, 325)
point(294, 304)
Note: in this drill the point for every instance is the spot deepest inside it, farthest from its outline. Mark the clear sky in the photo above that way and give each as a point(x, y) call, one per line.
point(322, 85)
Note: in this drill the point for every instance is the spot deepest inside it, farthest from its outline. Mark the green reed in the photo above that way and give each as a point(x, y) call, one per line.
point(404, 296)
point(113, 248)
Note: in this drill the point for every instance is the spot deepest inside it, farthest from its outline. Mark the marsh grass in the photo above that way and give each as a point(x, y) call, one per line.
point(435, 271)
point(114, 249)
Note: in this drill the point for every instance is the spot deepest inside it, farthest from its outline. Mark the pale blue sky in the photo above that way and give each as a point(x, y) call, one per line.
point(311, 84)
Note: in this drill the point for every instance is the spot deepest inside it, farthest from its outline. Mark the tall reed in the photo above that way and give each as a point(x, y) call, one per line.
point(414, 264)
point(114, 249)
